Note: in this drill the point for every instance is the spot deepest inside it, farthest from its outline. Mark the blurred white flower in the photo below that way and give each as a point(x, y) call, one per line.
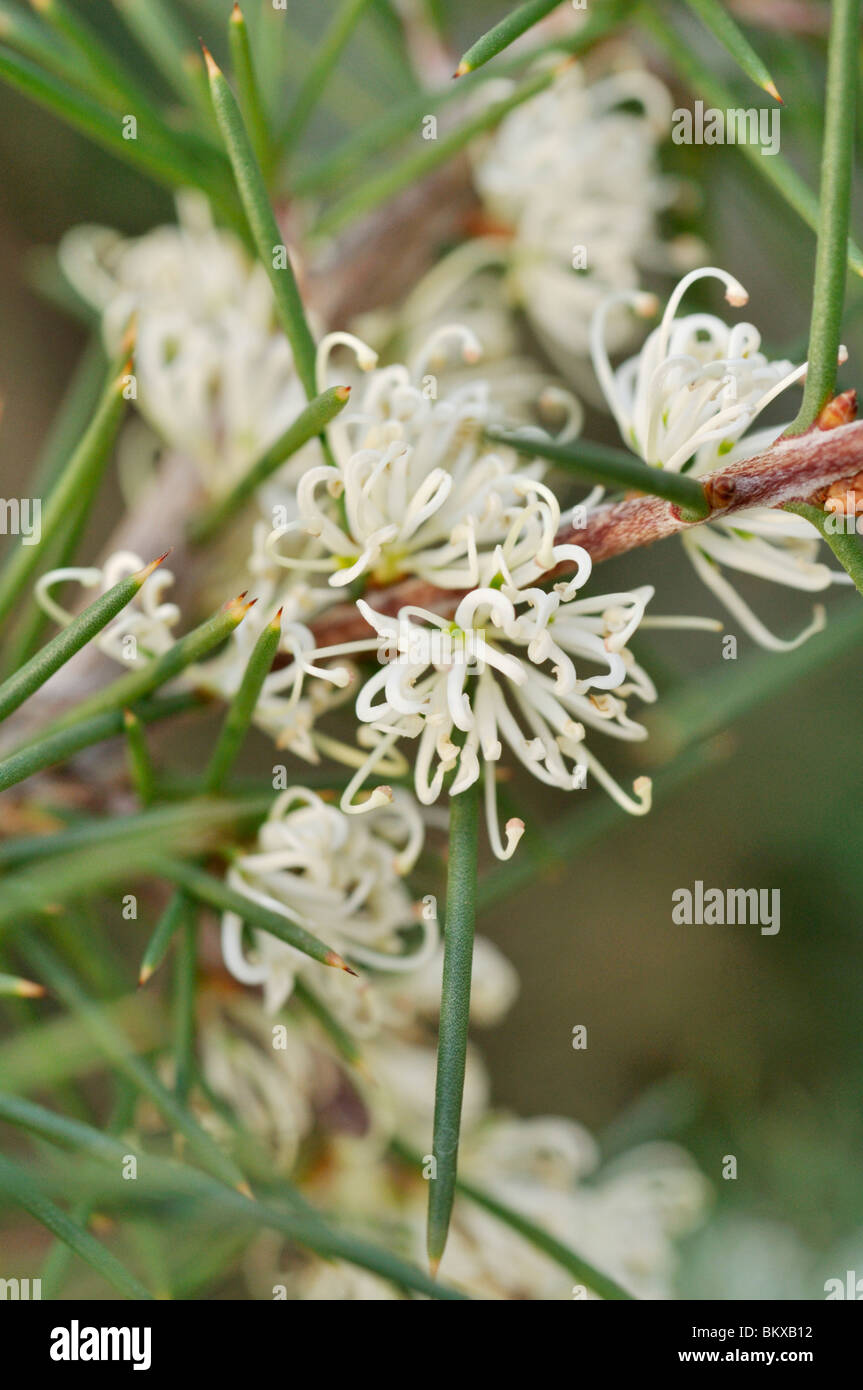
point(623, 1217)
point(215, 375)
point(683, 403)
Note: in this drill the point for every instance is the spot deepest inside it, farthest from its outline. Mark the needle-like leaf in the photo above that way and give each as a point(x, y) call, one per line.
point(87, 462)
point(267, 237)
point(23, 989)
point(115, 833)
point(344, 1043)
point(242, 707)
point(609, 467)
point(840, 534)
point(510, 28)
point(164, 1178)
point(141, 772)
point(56, 747)
point(119, 1051)
point(538, 1236)
point(185, 995)
point(87, 625)
point(169, 923)
point(136, 685)
point(161, 33)
point(249, 95)
point(454, 1013)
point(166, 159)
point(205, 889)
point(310, 422)
point(19, 1187)
point(837, 164)
point(402, 120)
point(726, 30)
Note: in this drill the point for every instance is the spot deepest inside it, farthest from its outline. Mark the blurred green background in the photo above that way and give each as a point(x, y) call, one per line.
point(729, 1041)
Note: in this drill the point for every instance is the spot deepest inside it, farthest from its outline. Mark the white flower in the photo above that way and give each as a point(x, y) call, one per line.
point(624, 1221)
point(415, 490)
point(504, 672)
point(341, 879)
point(142, 629)
point(682, 404)
point(624, 1217)
point(215, 376)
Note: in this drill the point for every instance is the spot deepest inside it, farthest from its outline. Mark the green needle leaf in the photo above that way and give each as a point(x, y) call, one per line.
point(103, 76)
point(250, 101)
point(80, 631)
point(454, 1013)
point(76, 407)
point(224, 755)
point(611, 468)
point(242, 706)
point(725, 29)
point(342, 1040)
point(165, 1178)
point(184, 1003)
point(33, 40)
point(310, 422)
point(262, 221)
point(129, 689)
point(375, 191)
point(85, 466)
point(56, 747)
point(117, 833)
point(118, 1050)
point(165, 155)
point(346, 18)
point(516, 23)
point(20, 1188)
point(138, 756)
point(85, 866)
point(167, 926)
point(837, 163)
point(206, 889)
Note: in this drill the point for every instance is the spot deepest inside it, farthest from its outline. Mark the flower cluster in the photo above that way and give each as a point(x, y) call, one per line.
point(684, 402)
point(415, 489)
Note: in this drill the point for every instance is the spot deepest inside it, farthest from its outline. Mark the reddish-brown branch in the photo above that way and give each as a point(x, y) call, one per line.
point(794, 470)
